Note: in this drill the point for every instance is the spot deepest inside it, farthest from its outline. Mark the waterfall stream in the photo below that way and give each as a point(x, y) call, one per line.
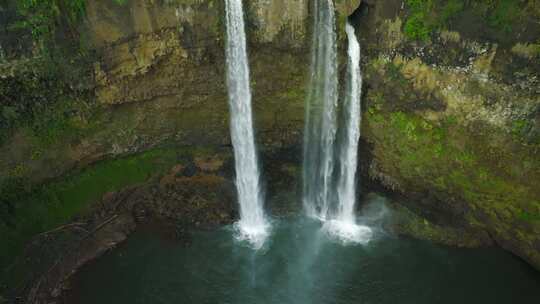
point(348, 157)
point(330, 201)
point(253, 225)
point(321, 104)
point(343, 223)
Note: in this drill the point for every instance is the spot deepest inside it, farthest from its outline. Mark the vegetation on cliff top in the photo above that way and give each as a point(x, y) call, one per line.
point(427, 16)
point(43, 18)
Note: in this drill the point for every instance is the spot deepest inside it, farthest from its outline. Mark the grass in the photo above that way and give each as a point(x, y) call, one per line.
point(27, 211)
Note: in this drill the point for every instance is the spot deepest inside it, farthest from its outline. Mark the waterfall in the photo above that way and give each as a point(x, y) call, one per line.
point(343, 224)
point(348, 158)
point(323, 198)
point(253, 225)
point(320, 124)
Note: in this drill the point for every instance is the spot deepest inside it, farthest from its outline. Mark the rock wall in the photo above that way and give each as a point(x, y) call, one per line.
point(158, 78)
point(154, 78)
point(454, 124)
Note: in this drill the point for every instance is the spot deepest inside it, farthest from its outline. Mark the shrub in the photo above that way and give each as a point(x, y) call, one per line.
point(42, 17)
point(427, 16)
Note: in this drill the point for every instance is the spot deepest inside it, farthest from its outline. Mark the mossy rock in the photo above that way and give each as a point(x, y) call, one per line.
point(464, 165)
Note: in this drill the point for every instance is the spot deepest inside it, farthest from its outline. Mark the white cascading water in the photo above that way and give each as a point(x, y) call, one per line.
point(343, 224)
point(321, 104)
point(323, 199)
point(253, 225)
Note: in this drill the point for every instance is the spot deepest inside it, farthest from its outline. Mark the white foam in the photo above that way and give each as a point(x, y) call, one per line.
point(254, 235)
point(348, 232)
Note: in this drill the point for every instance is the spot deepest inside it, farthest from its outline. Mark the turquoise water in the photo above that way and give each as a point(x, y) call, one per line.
point(300, 264)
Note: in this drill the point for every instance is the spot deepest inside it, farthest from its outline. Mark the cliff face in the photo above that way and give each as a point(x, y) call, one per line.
point(454, 123)
point(158, 77)
point(451, 123)
point(152, 95)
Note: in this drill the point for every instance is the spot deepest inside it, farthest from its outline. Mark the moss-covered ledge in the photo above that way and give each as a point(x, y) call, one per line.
point(86, 213)
point(32, 209)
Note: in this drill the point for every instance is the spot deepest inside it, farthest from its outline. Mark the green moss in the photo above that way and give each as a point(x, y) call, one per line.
point(342, 21)
point(62, 121)
point(27, 210)
point(519, 127)
point(40, 101)
point(412, 224)
point(446, 162)
point(530, 217)
point(294, 94)
point(49, 124)
point(393, 71)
